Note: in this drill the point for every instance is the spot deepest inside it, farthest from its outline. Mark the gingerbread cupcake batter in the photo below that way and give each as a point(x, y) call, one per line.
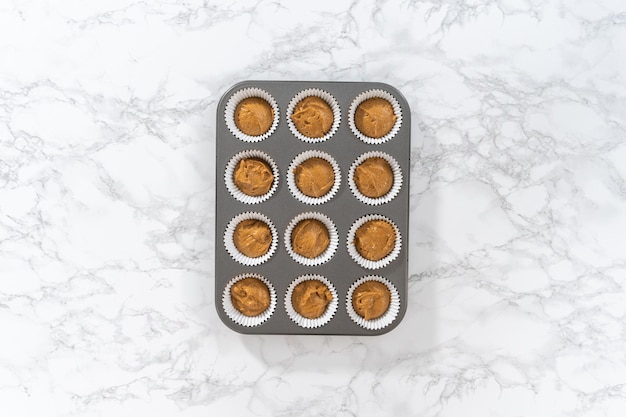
point(250, 296)
point(312, 117)
point(371, 299)
point(310, 238)
point(310, 298)
point(252, 237)
point(314, 177)
point(254, 116)
point(374, 117)
point(253, 176)
point(375, 239)
point(373, 177)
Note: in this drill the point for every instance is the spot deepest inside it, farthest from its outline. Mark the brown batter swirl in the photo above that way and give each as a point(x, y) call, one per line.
point(314, 177)
point(250, 296)
point(252, 237)
point(373, 177)
point(310, 298)
point(310, 238)
point(313, 117)
point(375, 239)
point(371, 299)
point(374, 117)
point(253, 176)
point(254, 116)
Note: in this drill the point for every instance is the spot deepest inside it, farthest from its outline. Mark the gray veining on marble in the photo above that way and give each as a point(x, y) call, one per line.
point(518, 208)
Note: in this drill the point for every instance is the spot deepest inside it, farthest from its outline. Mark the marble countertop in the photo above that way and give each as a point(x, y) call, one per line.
point(517, 288)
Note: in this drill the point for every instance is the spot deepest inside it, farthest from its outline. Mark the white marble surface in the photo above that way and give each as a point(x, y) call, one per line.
point(518, 208)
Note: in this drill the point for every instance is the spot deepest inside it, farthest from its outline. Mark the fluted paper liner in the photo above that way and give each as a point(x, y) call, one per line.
point(366, 263)
point(329, 99)
point(299, 319)
point(231, 248)
point(397, 179)
point(397, 110)
point(239, 318)
point(291, 178)
point(238, 97)
point(387, 318)
point(230, 182)
point(332, 233)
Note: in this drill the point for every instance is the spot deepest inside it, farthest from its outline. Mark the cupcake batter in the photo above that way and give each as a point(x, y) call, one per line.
point(314, 177)
point(312, 117)
point(253, 177)
point(371, 299)
point(254, 116)
point(375, 239)
point(310, 238)
point(310, 298)
point(252, 237)
point(375, 117)
point(373, 177)
point(250, 296)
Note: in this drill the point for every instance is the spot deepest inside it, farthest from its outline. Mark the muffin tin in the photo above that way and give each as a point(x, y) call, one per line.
point(340, 267)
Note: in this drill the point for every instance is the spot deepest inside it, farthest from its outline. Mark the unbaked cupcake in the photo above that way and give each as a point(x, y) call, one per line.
point(375, 116)
point(254, 116)
point(311, 301)
point(251, 176)
point(313, 115)
point(250, 238)
point(311, 238)
point(371, 299)
point(310, 298)
point(375, 178)
point(313, 177)
point(373, 302)
point(249, 299)
point(374, 241)
point(250, 296)
point(251, 114)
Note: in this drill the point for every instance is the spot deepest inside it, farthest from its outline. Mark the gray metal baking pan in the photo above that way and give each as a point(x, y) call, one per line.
point(344, 208)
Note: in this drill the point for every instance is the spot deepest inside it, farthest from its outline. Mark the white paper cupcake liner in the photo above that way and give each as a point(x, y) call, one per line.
point(291, 178)
point(366, 263)
point(333, 237)
point(231, 248)
point(329, 99)
point(239, 318)
point(397, 179)
point(230, 182)
point(382, 321)
point(302, 321)
point(238, 97)
point(371, 94)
